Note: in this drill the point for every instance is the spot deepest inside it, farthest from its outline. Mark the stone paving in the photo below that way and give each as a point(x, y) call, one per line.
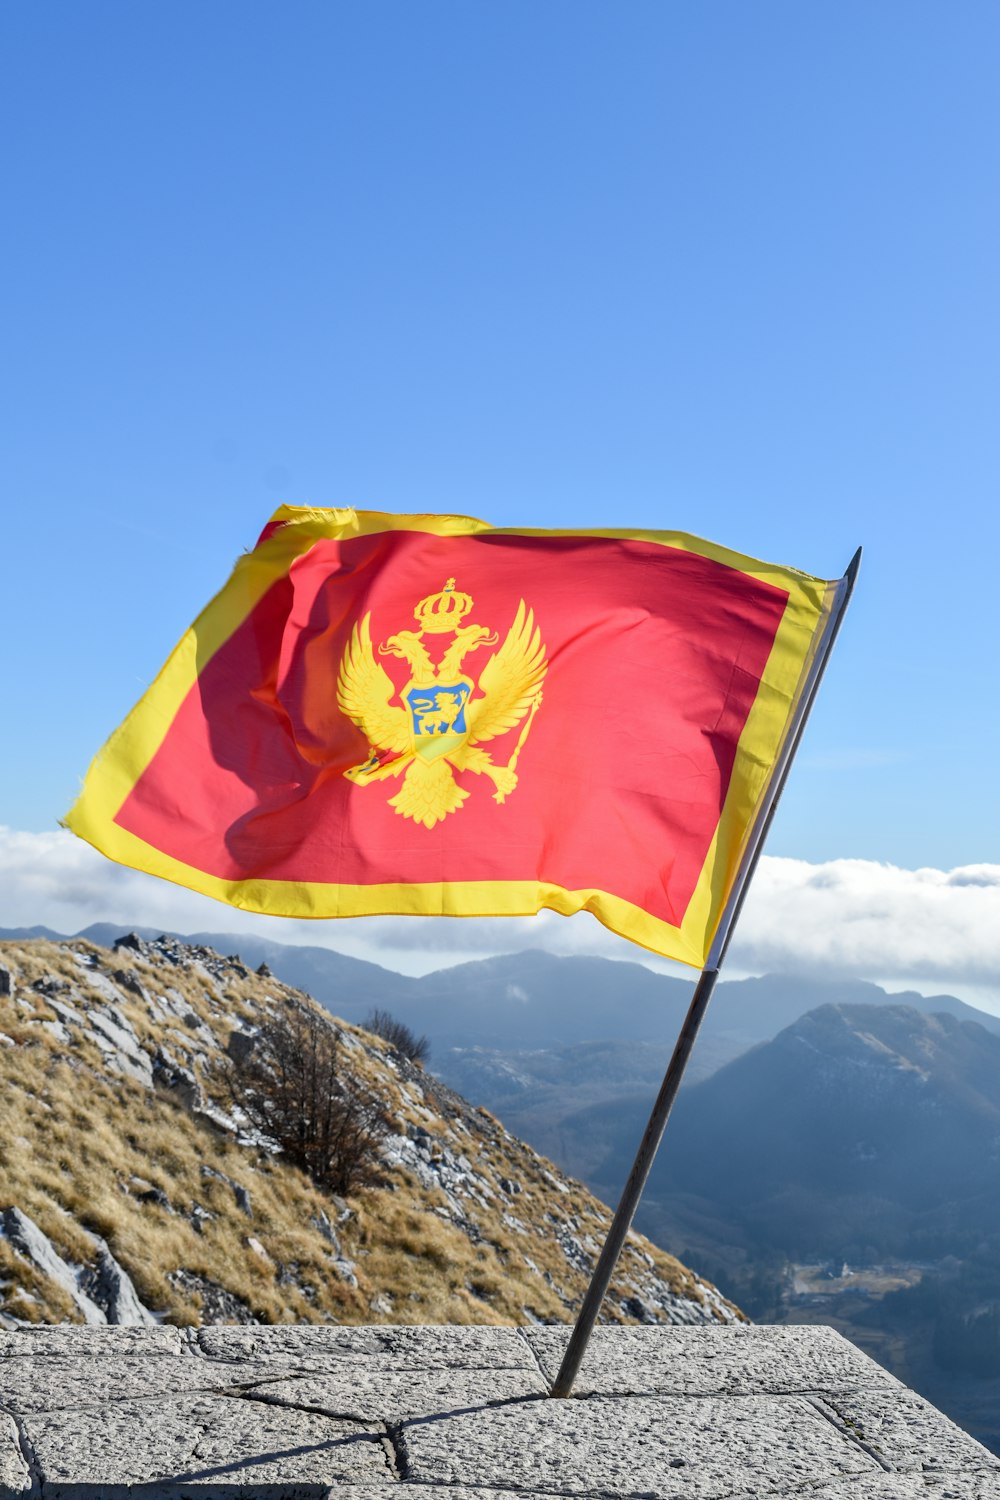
point(725, 1413)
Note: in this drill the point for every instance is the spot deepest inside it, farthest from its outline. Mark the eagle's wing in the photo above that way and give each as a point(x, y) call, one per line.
point(511, 680)
point(363, 692)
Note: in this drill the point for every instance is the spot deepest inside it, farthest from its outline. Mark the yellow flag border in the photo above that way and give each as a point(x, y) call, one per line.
point(119, 765)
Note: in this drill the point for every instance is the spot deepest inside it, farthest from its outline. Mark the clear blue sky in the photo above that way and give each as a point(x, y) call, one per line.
point(729, 268)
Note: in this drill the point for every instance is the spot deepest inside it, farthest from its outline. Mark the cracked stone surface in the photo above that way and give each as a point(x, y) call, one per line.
point(690, 1446)
point(908, 1433)
point(35, 1384)
point(394, 1396)
point(403, 1347)
point(908, 1487)
point(336, 1412)
point(15, 1476)
point(206, 1445)
point(62, 1340)
point(741, 1360)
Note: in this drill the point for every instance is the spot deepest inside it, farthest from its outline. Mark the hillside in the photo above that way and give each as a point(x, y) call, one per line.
point(858, 1132)
point(132, 1189)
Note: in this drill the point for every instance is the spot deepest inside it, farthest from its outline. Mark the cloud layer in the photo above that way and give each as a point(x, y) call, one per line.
point(935, 929)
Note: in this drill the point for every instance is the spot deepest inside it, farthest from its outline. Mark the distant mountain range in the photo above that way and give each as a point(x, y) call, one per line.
point(566, 1051)
point(537, 1001)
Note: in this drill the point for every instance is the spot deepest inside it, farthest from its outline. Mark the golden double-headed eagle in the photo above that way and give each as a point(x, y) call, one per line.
point(443, 716)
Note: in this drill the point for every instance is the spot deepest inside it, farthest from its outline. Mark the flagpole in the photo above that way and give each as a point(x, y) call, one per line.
point(632, 1192)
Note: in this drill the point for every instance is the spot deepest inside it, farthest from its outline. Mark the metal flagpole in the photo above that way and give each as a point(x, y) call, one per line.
point(622, 1222)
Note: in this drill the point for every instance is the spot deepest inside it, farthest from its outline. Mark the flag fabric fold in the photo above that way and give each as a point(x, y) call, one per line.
point(425, 714)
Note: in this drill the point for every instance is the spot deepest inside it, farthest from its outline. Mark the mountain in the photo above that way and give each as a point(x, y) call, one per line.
point(846, 1172)
point(858, 1132)
point(137, 1182)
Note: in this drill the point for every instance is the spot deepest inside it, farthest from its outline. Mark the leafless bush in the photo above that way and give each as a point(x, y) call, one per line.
point(399, 1036)
point(291, 1085)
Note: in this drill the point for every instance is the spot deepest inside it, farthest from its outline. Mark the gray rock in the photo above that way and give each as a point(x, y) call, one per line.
point(218, 1304)
point(634, 1307)
point(129, 980)
point(169, 1074)
point(346, 1269)
point(321, 1221)
point(114, 1034)
point(111, 1287)
point(55, 1029)
point(132, 942)
point(148, 1192)
point(202, 1445)
point(67, 1013)
point(103, 1291)
point(335, 1411)
point(95, 977)
point(240, 1044)
point(26, 1237)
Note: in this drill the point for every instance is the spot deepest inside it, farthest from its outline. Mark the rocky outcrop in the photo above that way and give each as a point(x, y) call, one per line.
point(101, 1291)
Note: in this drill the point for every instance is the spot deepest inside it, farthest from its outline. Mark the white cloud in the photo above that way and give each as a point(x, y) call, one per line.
point(933, 929)
point(855, 916)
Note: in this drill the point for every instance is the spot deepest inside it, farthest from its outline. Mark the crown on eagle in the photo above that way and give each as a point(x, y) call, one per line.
point(439, 613)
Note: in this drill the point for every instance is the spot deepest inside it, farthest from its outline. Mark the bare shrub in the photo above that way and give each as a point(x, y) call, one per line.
point(399, 1036)
point(292, 1087)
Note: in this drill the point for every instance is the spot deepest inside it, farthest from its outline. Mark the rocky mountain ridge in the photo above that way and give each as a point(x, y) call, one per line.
point(132, 1190)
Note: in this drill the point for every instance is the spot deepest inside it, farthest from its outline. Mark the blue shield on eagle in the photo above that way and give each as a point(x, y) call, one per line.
point(438, 709)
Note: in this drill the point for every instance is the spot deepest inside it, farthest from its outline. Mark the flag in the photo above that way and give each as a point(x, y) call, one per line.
point(429, 715)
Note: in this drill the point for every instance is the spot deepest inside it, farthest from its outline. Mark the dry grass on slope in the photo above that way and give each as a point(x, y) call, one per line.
point(468, 1226)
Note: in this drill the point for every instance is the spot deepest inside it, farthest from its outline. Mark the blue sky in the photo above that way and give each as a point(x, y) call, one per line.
point(721, 267)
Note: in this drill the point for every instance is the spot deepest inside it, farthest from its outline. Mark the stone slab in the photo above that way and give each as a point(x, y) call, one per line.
point(417, 1348)
point(204, 1445)
point(64, 1339)
point(904, 1487)
point(15, 1476)
point(390, 1396)
point(32, 1384)
point(909, 1434)
point(739, 1359)
point(690, 1447)
point(740, 1413)
point(879, 1486)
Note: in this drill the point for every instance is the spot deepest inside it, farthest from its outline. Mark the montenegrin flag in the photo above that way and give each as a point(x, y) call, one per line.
point(425, 714)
